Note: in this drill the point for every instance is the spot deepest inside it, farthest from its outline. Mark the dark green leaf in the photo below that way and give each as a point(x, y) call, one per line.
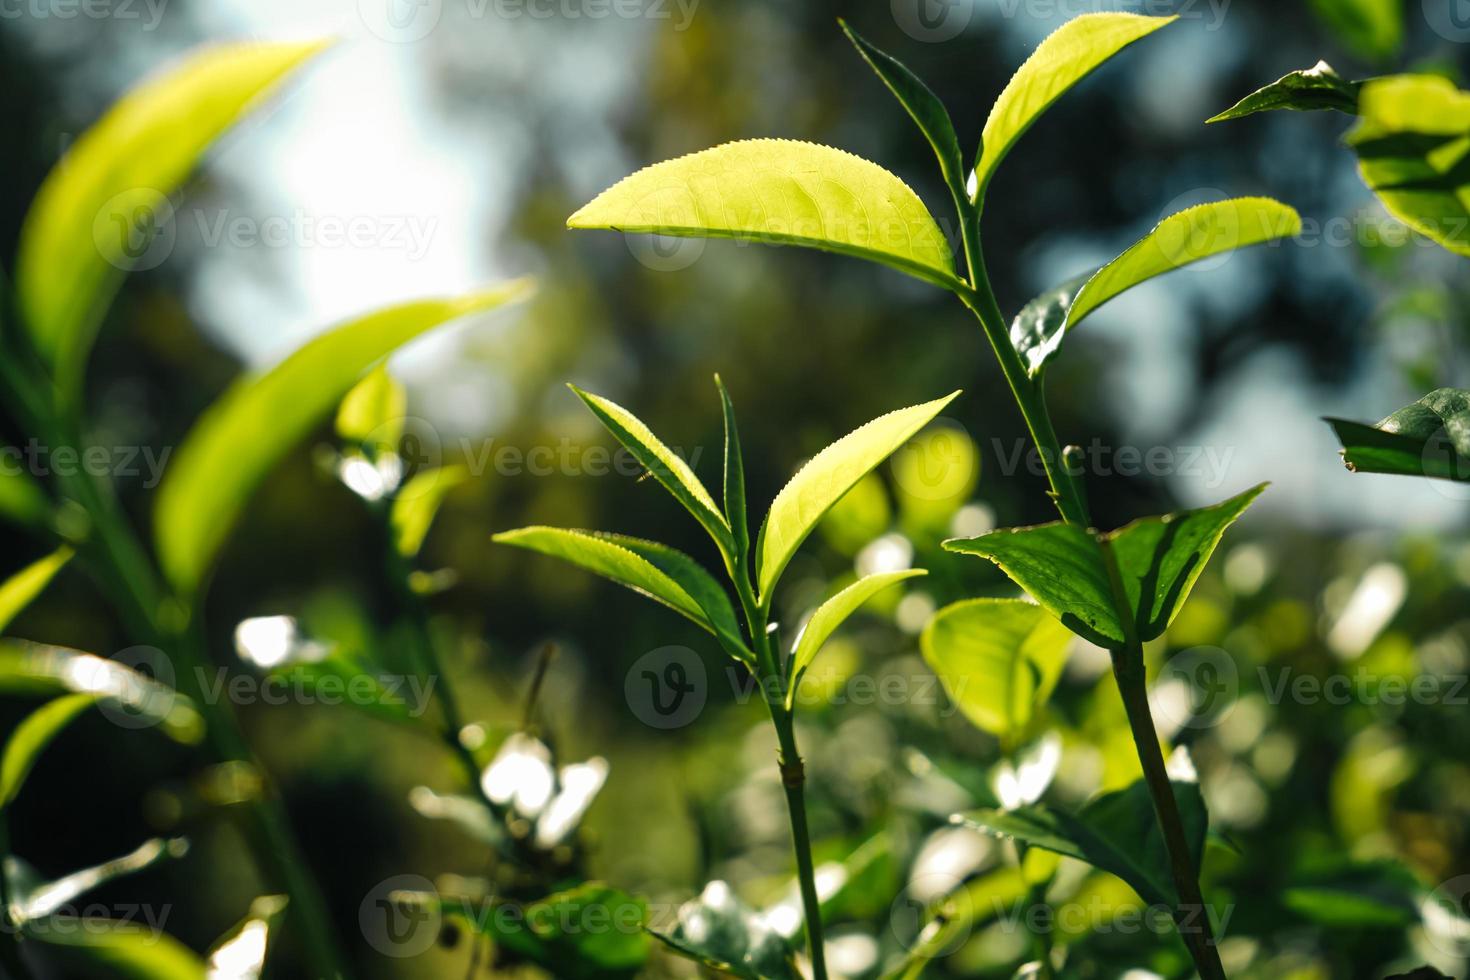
point(22, 501)
point(1355, 895)
point(1116, 832)
point(1430, 438)
point(723, 933)
point(1318, 87)
point(735, 511)
point(920, 103)
point(1063, 567)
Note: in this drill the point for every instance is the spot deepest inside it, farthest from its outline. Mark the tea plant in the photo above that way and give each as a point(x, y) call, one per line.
point(1409, 142)
point(679, 582)
point(1117, 589)
point(95, 214)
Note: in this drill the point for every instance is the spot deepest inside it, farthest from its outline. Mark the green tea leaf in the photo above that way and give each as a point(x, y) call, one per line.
point(920, 102)
point(1063, 567)
point(50, 897)
point(82, 229)
point(1411, 143)
point(721, 932)
point(246, 432)
point(661, 573)
point(781, 191)
point(735, 511)
point(22, 501)
point(999, 659)
point(1068, 55)
point(115, 949)
point(1430, 437)
point(1318, 87)
point(826, 478)
point(36, 669)
point(31, 737)
point(1116, 832)
point(1179, 240)
point(372, 414)
point(830, 615)
point(417, 503)
point(21, 589)
point(585, 933)
point(667, 466)
point(240, 954)
point(1372, 28)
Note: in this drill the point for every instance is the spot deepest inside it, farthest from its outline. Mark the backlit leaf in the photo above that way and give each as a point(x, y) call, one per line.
point(826, 478)
point(116, 949)
point(242, 436)
point(1068, 55)
point(1179, 240)
point(782, 191)
point(667, 466)
point(31, 737)
point(373, 412)
point(1318, 87)
point(1063, 567)
point(53, 896)
point(21, 589)
point(240, 954)
point(998, 659)
point(830, 615)
point(416, 505)
point(721, 932)
point(83, 228)
point(22, 501)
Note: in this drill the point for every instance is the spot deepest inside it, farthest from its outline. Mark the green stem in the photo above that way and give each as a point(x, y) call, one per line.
point(1191, 917)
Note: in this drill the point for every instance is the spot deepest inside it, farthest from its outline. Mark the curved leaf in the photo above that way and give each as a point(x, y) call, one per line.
point(373, 412)
point(1116, 832)
point(999, 659)
point(122, 950)
point(416, 505)
point(699, 584)
point(1063, 567)
point(1068, 55)
point(1411, 150)
point(34, 668)
point(826, 478)
point(735, 510)
point(782, 191)
point(1179, 240)
point(922, 105)
point(611, 557)
point(50, 897)
point(21, 589)
point(246, 432)
point(240, 954)
point(667, 466)
point(1430, 438)
point(22, 501)
point(830, 615)
point(1318, 87)
point(31, 737)
point(76, 237)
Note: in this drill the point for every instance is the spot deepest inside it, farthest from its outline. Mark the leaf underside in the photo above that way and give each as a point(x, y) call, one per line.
point(1311, 89)
point(1430, 437)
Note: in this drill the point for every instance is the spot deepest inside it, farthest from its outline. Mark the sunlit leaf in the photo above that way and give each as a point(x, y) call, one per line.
point(22, 501)
point(372, 414)
point(998, 659)
point(735, 510)
point(1068, 55)
point(585, 933)
point(53, 896)
point(1179, 240)
point(721, 932)
point(246, 432)
point(1063, 567)
point(830, 615)
point(826, 478)
point(1372, 28)
point(112, 186)
point(31, 737)
point(240, 954)
point(37, 669)
point(21, 589)
point(1116, 832)
point(781, 191)
point(919, 101)
point(667, 466)
point(1431, 438)
point(659, 572)
point(956, 916)
point(1318, 87)
point(1412, 143)
point(417, 503)
point(116, 949)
